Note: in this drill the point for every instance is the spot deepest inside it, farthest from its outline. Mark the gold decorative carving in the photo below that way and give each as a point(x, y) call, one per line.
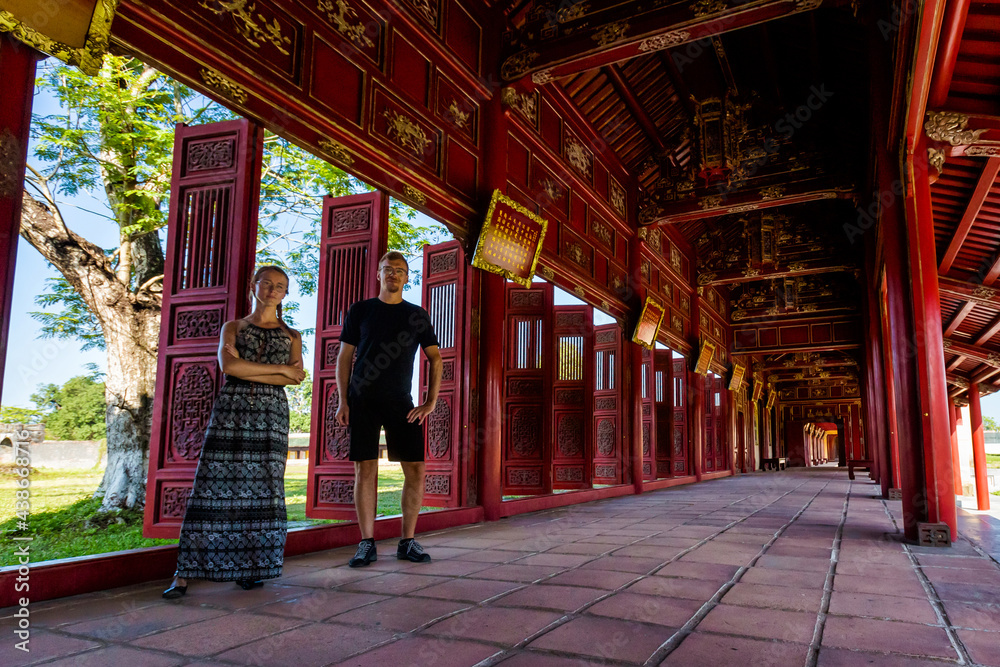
point(414, 195)
point(984, 293)
point(339, 13)
point(89, 58)
point(676, 323)
point(552, 189)
point(739, 315)
point(616, 194)
point(751, 272)
point(993, 359)
point(406, 133)
point(427, 9)
point(456, 116)
point(946, 344)
point(664, 41)
point(542, 77)
point(807, 5)
point(702, 8)
point(706, 278)
point(796, 266)
point(712, 201)
point(547, 273)
point(522, 103)
point(579, 291)
point(602, 232)
point(575, 11)
point(950, 126)
point(675, 258)
point(515, 66)
point(10, 157)
point(743, 208)
point(610, 33)
point(222, 85)
point(772, 192)
point(605, 306)
point(983, 151)
point(577, 155)
point(337, 150)
point(642, 233)
point(254, 31)
point(935, 158)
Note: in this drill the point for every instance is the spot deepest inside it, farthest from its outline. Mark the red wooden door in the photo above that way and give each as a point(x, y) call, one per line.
point(647, 399)
point(526, 460)
point(354, 237)
point(571, 378)
point(211, 239)
point(680, 458)
point(607, 399)
point(446, 432)
point(663, 411)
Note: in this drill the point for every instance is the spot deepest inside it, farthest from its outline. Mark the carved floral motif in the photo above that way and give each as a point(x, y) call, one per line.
point(523, 103)
point(253, 29)
point(351, 220)
point(526, 431)
point(664, 41)
point(173, 501)
point(340, 14)
point(524, 477)
point(191, 406)
point(336, 438)
point(337, 150)
point(406, 133)
point(198, 324)
point(206, 155)
point(336, 491)
point(222, 85)
point(414, 195)
point(578, 156)
point(605, 437)
point(437, 485)
point(569, 436)
point(439, 427)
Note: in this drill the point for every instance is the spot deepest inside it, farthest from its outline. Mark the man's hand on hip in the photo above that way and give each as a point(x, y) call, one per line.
point(419, 413)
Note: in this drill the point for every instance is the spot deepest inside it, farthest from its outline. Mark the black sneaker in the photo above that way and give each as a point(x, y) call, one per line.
point(365, 554)
point(412, 551)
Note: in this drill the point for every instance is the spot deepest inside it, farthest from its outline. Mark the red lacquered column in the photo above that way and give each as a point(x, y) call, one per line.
point(978, 449)
point(17, 69)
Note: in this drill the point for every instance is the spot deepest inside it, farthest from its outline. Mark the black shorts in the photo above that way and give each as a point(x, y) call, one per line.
point(403, 440)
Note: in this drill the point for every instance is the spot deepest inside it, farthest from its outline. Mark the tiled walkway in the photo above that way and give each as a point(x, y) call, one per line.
point(793, 568)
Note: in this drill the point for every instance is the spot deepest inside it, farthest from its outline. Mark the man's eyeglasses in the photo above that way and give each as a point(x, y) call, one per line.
point(389, 271)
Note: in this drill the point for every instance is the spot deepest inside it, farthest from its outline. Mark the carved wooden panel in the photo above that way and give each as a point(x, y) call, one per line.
point(208, 261)
point(353, 238)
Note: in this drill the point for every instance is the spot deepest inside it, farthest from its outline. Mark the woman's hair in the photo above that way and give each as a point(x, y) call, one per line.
point(256, 277)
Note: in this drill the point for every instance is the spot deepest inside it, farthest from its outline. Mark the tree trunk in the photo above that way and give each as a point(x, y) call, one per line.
point(130, 322)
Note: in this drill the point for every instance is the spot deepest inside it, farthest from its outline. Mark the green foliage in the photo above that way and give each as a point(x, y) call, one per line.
point(10, 414)
point(300, 405)
point(990, 424)
point(74, 321)
point(74, 411)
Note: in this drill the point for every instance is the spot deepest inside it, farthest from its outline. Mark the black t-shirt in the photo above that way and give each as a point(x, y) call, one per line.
point(386, 336)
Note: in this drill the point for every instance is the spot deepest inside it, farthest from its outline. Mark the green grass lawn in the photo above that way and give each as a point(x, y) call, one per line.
point(65, 521)
point(993, 460)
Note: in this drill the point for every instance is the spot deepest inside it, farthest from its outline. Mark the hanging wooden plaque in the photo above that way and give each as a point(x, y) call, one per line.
point(737, 378)
point(704, 357)
point(758, 389)
point(511, 240)
point(771, 394)
point(649, 324)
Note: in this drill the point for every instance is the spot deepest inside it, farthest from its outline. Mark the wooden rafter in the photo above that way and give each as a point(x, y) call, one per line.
point(986, 180)
point(967, 291)
point(617, 79)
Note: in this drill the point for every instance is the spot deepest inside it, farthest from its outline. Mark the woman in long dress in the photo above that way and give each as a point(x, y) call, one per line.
point(235, 523)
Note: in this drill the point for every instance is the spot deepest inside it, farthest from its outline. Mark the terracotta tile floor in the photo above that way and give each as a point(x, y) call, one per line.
point(792, 568)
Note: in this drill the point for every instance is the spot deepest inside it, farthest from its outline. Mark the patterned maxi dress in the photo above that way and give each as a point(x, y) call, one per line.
point(235, 522)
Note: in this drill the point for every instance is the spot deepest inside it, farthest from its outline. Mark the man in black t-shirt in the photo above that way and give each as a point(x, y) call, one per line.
point(385, 332)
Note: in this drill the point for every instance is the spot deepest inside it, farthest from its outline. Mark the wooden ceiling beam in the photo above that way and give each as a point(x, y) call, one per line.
point(617, 79)
point(986, 180)
point(746, 275)
point(988, 332)
point(959, 317)
point(981, 355)
point(966, 291)
point(722, 202)
point(579, 38)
